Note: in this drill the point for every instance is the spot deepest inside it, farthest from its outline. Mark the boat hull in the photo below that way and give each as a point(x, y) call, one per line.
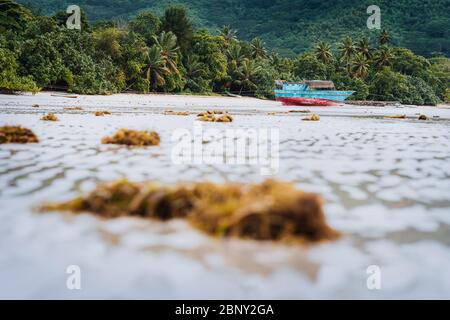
point(310, 102)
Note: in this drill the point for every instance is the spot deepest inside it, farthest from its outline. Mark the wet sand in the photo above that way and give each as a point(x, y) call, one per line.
point(385, 182)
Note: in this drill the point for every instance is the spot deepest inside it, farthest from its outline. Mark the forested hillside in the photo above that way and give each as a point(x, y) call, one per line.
point(293, 26)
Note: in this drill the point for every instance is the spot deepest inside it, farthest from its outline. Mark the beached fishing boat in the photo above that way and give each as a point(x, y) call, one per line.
point(310, 93)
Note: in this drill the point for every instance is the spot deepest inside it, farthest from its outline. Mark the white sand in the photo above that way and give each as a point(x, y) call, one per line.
point(385, 183)
point(129, 102)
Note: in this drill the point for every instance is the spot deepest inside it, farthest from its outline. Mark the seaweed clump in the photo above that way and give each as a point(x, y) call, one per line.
point(215, 116)
point(268, 211)
point(397, 116)
point(313, 117)
point(123, 198)
point(133, 138)
point(17, 134)
point(73, 108)
point(102, 113)
point(50, 117)
point(176, 113)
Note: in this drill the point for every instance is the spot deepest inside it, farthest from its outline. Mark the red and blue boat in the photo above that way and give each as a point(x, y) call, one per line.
point(311, 93)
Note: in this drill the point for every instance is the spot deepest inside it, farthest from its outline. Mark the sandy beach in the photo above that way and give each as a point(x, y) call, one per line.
point(385, 184)
point(139, 103)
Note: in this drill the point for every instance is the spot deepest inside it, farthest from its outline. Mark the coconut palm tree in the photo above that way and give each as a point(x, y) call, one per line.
point(155, 67)
point(167, 42)
point(229, 34)
point(384, 38)
point(195, 73)
point(258, 48)
point(360, 66)
point(234, 53)
point(347, 49)
point(283, 66)
point(383, 57)
point(363, 47)
point(323, 52)
point(235, 58)
point(248, 71)
point(275, 59)
point(194, 68)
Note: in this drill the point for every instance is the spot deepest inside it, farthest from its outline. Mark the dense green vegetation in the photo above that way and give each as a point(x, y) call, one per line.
point(292, 27)
point(166, 53)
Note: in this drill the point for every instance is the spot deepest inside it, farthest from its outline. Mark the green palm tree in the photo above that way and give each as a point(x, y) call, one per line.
point(229, 34)
point(195, 73)
point(234, 53)
point(258, 48)
point(194, 68)
point(360, 66)
point(235, 58)
point(383, 57)
point(167, 42)
point(363, 47)
point(384, 38)
point(275, 59)
point(347, 49)
point(323, 52)
point(155, 67)
point(248, 71)
point(283, 66)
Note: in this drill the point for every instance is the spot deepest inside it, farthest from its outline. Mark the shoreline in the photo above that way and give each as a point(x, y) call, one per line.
point(68, 95)
point(56, 102)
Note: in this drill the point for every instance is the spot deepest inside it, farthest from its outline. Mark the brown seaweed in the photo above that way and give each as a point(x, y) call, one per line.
point(397, 116)
point(215, 116)
point(423, 117)
point(210, 112)
point(17, 134)
point(50, 117)
point(102, 113)
point(313, 117)
point(133, 138)
point(176, 113)
point(268, 211)
point(124, 198)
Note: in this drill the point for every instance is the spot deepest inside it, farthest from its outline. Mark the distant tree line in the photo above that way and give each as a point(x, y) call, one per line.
point(165, 53)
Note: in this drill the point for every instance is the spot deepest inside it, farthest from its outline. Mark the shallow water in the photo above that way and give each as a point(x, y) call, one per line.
point(385, 183)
